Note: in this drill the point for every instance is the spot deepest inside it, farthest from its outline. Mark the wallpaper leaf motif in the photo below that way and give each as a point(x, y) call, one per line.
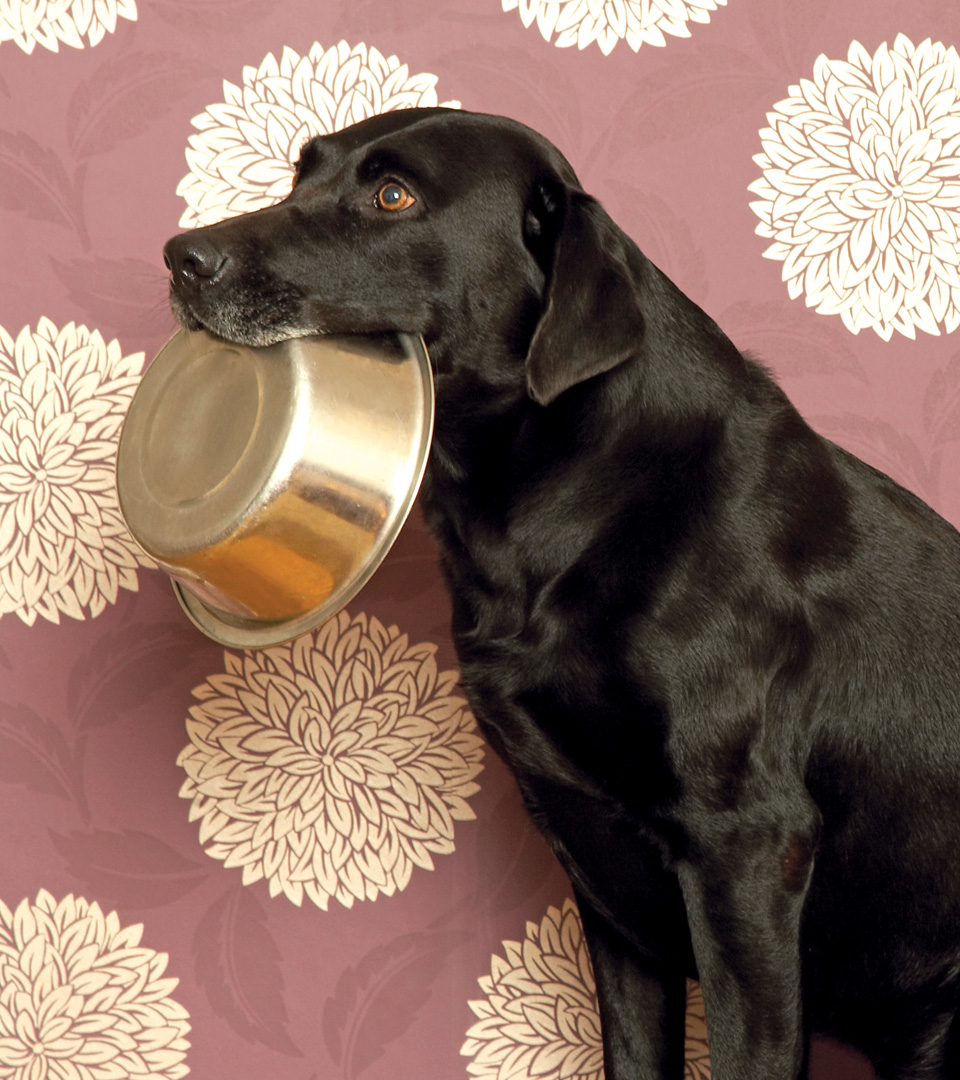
point(941, 403)
point(379, 998)
point(80, 999)
point(51, 23)
point(34, 752)
point(129, 868)
point(123, 97)
point(64, 547)
point(860, 190)
point(669, 241)
point(607, 22)
point(124, 671)
point(886, 448)
point(539, 1019)
point(243, 157)
point(238, 966)
point(686, 99)
point(35, 182)
point(331, 766)
point(120, 293)
point(513, 860)
point(784, 32)
point(785, 337)
point(209, 18)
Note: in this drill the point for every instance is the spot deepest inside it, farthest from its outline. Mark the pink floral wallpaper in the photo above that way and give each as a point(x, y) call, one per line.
point(302, 861)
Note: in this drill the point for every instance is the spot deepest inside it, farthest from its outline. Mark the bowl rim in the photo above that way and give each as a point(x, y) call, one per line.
point(249, 633)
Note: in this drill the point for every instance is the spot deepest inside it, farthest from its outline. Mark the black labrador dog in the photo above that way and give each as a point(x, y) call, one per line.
point(721, 654)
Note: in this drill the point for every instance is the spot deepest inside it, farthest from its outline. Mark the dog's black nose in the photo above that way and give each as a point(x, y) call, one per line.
point(193, 259)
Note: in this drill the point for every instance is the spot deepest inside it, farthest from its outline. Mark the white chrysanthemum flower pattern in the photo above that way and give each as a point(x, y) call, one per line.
point(81, 999)
point(539, 1019)
point(64, 547)
point(606, 22)
point(51, 23)
point(697, 1057)
point(333, 765)
point(860, 191)
point(243, 157)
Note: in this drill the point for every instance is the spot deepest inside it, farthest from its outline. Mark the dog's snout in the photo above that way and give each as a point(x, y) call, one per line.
point(193, 259)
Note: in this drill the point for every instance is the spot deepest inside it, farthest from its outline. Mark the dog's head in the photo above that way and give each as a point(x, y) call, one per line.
point(468, 229)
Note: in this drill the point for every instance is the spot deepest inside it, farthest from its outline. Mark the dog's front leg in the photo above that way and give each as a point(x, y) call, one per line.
point(642, 1005)
point(744, 881)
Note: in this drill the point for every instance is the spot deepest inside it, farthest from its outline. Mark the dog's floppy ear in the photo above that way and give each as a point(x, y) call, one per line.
point(592, 318)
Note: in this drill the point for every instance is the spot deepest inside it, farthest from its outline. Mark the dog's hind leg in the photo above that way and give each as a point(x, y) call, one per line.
point(642, 1005)
point(927, 1050)
point(951, 1055)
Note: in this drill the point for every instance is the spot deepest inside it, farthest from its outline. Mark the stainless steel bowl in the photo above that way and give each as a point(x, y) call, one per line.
point(270, 483)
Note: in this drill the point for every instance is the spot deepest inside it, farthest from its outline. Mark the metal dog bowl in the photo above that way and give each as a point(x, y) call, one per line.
point(270, 483)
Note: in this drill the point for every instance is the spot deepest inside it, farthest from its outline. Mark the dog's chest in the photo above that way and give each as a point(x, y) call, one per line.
point(550, 572)
point(551, 682)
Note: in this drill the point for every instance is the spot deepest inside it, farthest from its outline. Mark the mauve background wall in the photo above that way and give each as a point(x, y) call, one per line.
point(346, 766)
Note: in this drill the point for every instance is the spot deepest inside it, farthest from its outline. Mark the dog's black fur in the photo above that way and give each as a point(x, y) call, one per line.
point(719, 652)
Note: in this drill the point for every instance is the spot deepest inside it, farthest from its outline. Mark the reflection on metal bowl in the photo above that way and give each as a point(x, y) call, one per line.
point(271, 482)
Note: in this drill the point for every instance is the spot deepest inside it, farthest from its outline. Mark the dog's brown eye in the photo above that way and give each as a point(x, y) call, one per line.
point(393, 197)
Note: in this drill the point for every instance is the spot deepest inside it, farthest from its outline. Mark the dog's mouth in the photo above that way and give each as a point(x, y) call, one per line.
point(255, 319)
point(183, 313)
